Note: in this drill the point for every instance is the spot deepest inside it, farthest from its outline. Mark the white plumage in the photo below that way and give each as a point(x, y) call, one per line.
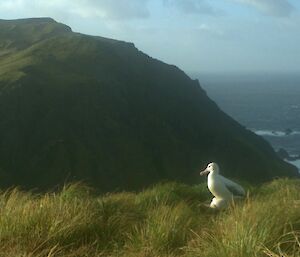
point(223, 189)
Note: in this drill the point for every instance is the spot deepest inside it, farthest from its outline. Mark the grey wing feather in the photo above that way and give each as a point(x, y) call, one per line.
point(233, 187)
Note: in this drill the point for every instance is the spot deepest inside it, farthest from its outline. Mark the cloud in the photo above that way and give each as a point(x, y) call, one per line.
point(277, 8)
point(210, 30)
point(110, 9)
point(190, 6)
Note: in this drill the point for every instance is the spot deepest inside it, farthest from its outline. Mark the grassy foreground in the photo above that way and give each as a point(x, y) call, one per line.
point(162, 221)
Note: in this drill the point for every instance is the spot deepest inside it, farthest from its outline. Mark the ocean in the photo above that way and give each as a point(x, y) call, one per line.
point(266, 103)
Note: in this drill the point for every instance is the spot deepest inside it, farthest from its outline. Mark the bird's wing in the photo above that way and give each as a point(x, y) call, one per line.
point(233, 187)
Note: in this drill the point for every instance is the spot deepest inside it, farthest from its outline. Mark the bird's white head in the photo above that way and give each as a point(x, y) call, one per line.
point(211, 168)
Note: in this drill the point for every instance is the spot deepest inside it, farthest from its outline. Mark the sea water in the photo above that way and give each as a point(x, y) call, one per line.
point(266, 103)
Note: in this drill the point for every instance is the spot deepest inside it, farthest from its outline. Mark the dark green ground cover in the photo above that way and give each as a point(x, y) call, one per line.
point(78, 107)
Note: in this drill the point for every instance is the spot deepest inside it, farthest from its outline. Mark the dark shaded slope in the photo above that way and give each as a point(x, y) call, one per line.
point(89, 108)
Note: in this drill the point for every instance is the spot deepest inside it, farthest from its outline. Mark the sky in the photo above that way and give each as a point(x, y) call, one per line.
point(205, 36)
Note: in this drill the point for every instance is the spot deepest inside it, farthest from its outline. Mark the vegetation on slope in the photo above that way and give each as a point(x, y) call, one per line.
point(166, 220)
point(87, 108)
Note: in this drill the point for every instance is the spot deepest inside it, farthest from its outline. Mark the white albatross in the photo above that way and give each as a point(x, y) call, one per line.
point(223, 189)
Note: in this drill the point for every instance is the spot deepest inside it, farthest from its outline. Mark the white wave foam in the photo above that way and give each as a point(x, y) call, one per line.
point(273, 133)
point(295, 163)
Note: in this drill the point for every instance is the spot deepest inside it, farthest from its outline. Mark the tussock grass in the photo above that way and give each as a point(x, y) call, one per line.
point(165, 220)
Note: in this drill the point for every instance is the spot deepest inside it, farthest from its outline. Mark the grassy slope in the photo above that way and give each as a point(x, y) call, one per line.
point(165, 220)
point(79, 107)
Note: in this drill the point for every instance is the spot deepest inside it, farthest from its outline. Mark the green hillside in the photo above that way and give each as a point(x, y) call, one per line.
point(79, 107)
point(164, 221)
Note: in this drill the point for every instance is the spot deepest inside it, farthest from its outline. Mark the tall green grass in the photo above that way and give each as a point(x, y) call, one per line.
point(165, 220)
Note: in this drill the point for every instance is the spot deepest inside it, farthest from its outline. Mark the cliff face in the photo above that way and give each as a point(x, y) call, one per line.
point(89, 108)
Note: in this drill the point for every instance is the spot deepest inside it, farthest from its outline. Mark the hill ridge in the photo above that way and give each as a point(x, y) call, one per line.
point(88, 108)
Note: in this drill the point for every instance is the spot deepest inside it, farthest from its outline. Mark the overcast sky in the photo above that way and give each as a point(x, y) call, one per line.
point(196, 35)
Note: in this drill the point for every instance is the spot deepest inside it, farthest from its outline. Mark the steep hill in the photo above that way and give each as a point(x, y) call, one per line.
point(90, 108)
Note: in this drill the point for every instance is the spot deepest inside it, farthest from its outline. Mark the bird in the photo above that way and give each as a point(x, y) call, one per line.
point(223, 189)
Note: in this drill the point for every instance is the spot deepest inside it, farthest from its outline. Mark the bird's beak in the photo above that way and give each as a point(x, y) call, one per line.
point(205, 172)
